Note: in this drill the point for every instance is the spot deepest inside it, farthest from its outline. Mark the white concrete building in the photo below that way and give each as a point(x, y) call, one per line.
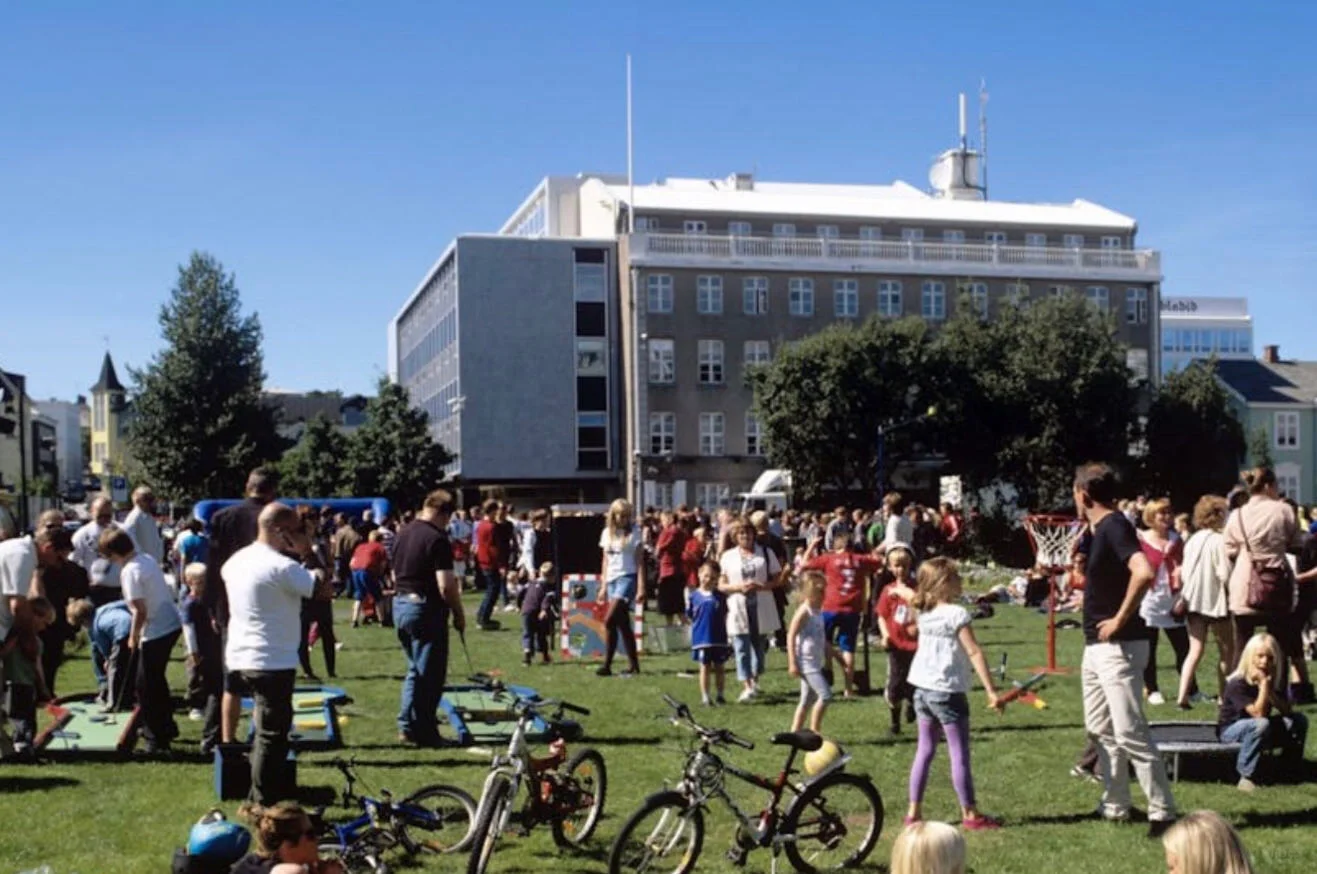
point(1198, 327)
point(67, 418)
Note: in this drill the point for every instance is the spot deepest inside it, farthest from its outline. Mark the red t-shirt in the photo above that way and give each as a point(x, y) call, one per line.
point(845, 572)
point(487, 555)
point(692, 554)
point(369, 557)
point(896, 613)
point(671, 547)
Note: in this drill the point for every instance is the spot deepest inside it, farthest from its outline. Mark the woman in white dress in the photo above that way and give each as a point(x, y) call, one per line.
point(1205, 572)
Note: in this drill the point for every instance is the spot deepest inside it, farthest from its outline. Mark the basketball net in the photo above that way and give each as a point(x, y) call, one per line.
point(1053, 539)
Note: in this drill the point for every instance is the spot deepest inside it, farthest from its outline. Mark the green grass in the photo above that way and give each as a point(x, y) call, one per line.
point(103, 818)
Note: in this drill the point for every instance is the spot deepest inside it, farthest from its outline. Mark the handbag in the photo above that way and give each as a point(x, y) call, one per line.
point(1270, 587)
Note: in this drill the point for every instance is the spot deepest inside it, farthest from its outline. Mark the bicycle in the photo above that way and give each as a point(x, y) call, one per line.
point(827, 811)
point(567, 793)
point(434, 819)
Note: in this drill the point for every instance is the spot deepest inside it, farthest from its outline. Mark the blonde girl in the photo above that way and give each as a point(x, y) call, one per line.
point(623, 573)
point(928, 848)
point(1255, 712)
point(1202, 843)
point(807, 653)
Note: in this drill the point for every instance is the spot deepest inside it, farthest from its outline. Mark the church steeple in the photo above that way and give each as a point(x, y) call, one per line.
point(109, 381)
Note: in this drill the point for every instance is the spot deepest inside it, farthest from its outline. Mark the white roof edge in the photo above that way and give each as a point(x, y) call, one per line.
point(420, 286)
point(541, 188)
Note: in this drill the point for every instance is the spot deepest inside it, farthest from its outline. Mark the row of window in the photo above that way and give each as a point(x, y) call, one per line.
point(1204, 342)
point(442, 335)
point(708, 496)
point(873, 232)
point(713, 434)
point(660, 296)
point(710, 357)
point(590, 291)
point(1285, 433)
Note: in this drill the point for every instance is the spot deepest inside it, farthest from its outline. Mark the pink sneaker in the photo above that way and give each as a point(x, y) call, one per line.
point(911, 820)
point(980, 823)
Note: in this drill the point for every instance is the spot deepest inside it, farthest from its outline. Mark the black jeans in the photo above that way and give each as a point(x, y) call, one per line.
point(1179, 638)
point(52, 653)
point(153, 690)
point(322, 614)
point(102, 595)
point(272, 692)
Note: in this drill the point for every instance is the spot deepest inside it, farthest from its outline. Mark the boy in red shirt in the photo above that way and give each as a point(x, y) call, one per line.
point(896, 619)
point(369, 563)
point(843, 597)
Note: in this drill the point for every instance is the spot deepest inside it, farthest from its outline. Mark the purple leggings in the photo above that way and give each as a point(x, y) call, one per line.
point(957, 734)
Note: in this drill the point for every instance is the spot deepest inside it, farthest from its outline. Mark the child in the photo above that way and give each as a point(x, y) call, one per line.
point(108, 627)
point(928, 848)
point(536, 599)
point(896, 618)
point(1204, 843)
point(807, 653)
point(707, 612)
point(205, 652)
point(940, 675)
point(1255, 711)
point(25, 681)
point(370, 561)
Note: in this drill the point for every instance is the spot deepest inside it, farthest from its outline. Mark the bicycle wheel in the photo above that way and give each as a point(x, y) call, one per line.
point(494, 808)
point(582, 785)
point(664, 835)
point(835, 823)
point(436, 819)
point(355, 859)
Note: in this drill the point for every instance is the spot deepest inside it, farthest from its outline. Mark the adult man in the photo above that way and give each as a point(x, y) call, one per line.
point(505, 532)
point(86, 542)
point(488, 562)
point(141, 527)
point(345, 541)
point(840, 526)
point(265, 591)
point(1115, 652)
point(427, 592)
point(61, 581)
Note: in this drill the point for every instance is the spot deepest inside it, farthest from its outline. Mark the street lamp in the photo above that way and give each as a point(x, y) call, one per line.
point(883, 430)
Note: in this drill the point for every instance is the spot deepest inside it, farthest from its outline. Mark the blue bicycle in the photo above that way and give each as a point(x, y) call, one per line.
point(435, 819)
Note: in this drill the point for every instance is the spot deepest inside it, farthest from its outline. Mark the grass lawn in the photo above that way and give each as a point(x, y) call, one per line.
point(104, 818)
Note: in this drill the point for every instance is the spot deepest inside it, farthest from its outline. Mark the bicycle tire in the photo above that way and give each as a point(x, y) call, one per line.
point(668, 805)
point(573, 788)
point(484, 837)
point(458, 813)
point(813, 797)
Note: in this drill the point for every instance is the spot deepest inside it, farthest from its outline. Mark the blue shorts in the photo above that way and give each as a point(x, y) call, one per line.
point(713, 654)
point(847, 626)
point(363, 584)
point(623, 588)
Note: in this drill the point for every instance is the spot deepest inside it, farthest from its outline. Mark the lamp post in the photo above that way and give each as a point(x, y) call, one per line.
point(884, 429)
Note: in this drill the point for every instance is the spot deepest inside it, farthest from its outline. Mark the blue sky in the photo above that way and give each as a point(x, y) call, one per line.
point(326, 153)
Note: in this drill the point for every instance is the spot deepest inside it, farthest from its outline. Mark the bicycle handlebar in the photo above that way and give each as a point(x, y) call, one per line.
point(713, 735)
point(573, 708)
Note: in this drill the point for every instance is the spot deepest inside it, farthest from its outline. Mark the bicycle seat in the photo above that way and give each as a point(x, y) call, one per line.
point(806, 741)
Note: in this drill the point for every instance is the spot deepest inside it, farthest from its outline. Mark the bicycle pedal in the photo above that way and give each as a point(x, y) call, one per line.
point(737, 856)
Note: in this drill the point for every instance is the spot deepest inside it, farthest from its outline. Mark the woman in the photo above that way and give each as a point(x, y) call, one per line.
point(623, 573)
point(748, 570)
point(285, 843)
point(1205, 572)
point(670, 547)
point(1259, 533)
point(318, 610)
point(1255, 712)
point(1164, 551)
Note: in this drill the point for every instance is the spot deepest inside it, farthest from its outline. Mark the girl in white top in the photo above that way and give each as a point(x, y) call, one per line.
point(1205, 572)
point(749, 571)
point(807, 653)
point(623, 573)
point(940, 675)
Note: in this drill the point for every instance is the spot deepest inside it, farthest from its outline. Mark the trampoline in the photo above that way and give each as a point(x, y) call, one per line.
point(477, 717)
point(315, 718)
point(81, 727)
point(1192, 739)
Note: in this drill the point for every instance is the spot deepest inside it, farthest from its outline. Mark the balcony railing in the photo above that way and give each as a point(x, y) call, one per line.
point(896, 255)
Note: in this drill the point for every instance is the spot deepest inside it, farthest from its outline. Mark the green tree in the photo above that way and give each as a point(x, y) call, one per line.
point(198, 423)
point(316, 466)
point(1194, 441)
point(392, 454)
point(1259, 448)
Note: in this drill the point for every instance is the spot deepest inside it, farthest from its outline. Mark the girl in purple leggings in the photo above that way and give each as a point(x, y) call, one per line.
point(940, 675)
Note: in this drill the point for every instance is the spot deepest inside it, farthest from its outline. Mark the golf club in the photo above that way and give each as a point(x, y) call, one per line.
point(461, 635)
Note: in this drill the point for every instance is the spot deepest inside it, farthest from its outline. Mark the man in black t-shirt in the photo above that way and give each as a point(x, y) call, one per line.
point(1115, 653)
point(427, 592)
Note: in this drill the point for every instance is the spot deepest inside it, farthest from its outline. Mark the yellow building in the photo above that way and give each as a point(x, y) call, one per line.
point(109, 406)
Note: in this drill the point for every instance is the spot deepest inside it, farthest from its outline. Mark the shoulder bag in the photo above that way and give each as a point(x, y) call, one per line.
point(1270, 586)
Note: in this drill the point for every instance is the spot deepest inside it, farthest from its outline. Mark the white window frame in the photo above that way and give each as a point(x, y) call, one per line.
point(709, 295)
point(695, 227)
point(800, 296)
point(739, 229)
point(933, 300)
point(662, 361)
point(1017, 292)
point(754, 436)
point(1035, 240)
point(978, 296)
point(952, 235)
point(658, 293)
point(994, 237)
point(890, 304)
point(712, 361)
point(1072, 241)
point(912, 235)
point(711, 496)
point(846, 298)
point(1288, 474)
point(647, 223)
point(1113, 242)
point(755, 353)
point(1099, 296)
point(784, 230)
point(662, 433)
point(754, 295)
point(871, 232)
point(713, 435)
point(1060, 290)
point(662, 495)
point(1285, 430)
point(828, 232)
point(1136, 306)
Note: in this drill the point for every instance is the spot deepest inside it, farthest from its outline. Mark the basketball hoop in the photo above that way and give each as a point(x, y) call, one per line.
point(1053, 538)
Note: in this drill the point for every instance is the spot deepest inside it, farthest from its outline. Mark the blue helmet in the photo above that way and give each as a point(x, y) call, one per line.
point(218, 839)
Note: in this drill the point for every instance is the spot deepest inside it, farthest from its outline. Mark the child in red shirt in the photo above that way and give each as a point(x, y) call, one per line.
point(843, 598)
point(896, 620)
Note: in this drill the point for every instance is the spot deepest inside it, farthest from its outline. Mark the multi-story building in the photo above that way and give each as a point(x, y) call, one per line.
point(1199, 327)
point(295, 409)
point(67, 419)
point(1279, 399)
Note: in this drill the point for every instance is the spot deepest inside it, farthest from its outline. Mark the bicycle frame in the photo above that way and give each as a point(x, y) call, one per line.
point(517, 764)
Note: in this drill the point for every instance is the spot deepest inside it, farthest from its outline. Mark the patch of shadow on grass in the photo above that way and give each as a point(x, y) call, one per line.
point(36, 784)
point(410, 763)
point(395, 677)
point(317, 796)
point(1033, 726)
point(1278, 819)
point(1072, 818)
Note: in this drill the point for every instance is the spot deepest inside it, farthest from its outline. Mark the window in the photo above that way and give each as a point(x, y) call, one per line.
point(1287, 480)
point(754, 295)
point(1035, 239)
point(694, 226)
point(591, 275)
point(933, 300)
point(592, 441)
point(1017, 293)
point(646, 223)
point(978, 297)
point(953, 236)
point(659, 286)
point(709, 295)
point(829, 232)
point(912, 235)
point(711, 362)
point(994, 236)
point(590, 358)
point(1098, 296)
point(712, 433)
point(757, 352)
point(738, 229)
point(1060, 290)
point(662, 433)
point(869, 232)
point(1113, 243)
point(592, 393)
point(662, 496)
point(662, 361)
point(591, 319)
point(889, 298)
point(709, 496)
point(98, 409)
point(1287, 430)
point(800, 296)
point(1136, 306)
point(754, 440)
point(846, 298)
point(1073, 241)
point(784, 229)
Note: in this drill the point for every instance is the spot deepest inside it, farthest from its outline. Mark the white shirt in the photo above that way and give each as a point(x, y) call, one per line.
point(940, 663)
point(142, 579)
point(757, 567)
point(18, 559)
point(145, 533)
point(86, 543)
point(620, 552)
point(899, 530)
point(265, 592)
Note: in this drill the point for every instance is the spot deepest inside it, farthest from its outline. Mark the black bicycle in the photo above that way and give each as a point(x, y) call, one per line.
point(833, 819)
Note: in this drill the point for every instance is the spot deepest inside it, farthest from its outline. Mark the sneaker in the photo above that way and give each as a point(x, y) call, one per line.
point(1246, 785)
point(195, 714)
point(510, 608)
point(980, 823)
point(706, 700)
point(546, 660)
point(1159, 827)
point(525, 659)
point(604, 671)
point(720, 699)
point(911, 820)
point(1101, 812)
point(1156, 699)
point(1184, 705)
point(746, 695)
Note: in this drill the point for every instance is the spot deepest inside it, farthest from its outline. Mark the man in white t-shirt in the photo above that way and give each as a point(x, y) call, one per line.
point(265, 586)
point(899, 529)
point(140, 525)
point(86, 550)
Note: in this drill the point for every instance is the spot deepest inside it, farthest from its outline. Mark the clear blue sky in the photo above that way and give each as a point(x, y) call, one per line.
point(327, 152)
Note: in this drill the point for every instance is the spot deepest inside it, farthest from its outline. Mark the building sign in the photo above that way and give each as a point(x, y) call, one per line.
point(1202, 307)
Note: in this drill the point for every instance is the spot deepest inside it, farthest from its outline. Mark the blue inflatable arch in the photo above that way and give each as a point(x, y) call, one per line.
point(352, 507)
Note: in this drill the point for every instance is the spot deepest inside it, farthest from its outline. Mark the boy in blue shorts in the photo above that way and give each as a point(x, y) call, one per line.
point(843, 598)
point(707, 612)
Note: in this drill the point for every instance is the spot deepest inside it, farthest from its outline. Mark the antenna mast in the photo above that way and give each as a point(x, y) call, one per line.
point(630, 176)
point(983, 135)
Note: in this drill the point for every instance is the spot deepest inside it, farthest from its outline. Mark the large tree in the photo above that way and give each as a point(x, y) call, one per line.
point(317, 466)
point(392, 454)
point(198, 423)
point(1195, 444)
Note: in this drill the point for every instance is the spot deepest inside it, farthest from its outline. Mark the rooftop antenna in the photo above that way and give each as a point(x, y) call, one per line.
point(964, 141)
point(630, 175)
point(983, 135)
